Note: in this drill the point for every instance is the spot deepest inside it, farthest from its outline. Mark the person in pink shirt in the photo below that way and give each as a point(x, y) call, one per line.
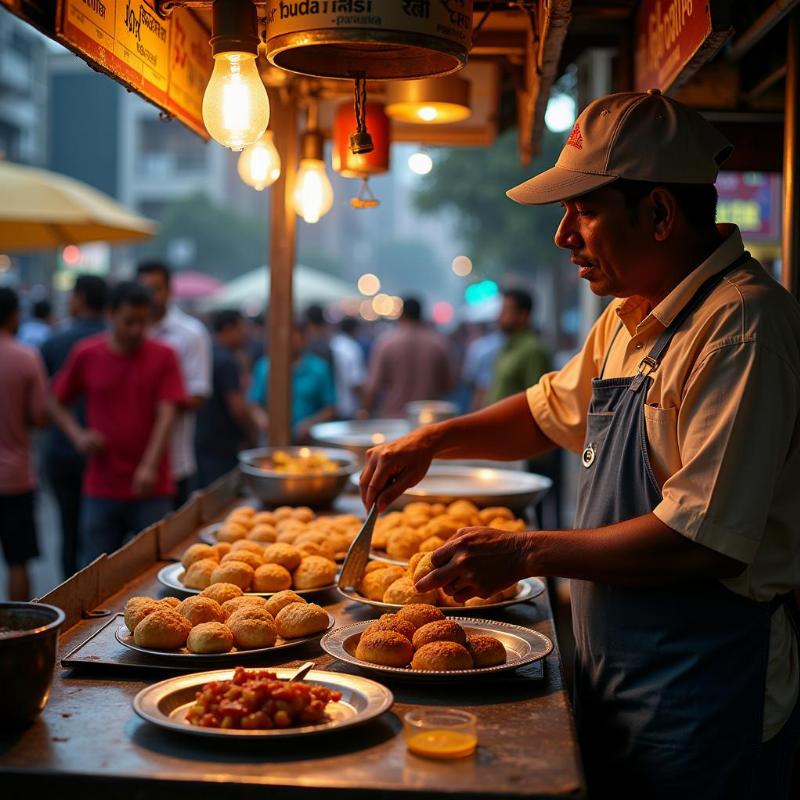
point(23, 405)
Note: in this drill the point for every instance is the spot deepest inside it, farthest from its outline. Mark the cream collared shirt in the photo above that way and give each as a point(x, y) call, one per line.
point(723, 428)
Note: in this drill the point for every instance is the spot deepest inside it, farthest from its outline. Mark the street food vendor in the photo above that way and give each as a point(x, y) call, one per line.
point(684, 407)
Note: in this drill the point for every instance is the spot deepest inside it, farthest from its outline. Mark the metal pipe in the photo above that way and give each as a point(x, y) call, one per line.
point(765, 84)
point(790, 250)
point(761, 27)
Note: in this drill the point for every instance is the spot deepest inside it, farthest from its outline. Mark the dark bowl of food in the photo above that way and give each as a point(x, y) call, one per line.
point(28, 642)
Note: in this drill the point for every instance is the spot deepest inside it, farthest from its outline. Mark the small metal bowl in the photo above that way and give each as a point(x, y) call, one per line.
point(28, 643)
point(359, 435)
point(425, 412)
point(317, 490)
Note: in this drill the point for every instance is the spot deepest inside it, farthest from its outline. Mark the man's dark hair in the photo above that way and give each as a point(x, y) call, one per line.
point(315, 315)
point(154, 268)
point(521, 299)
point(412, 309)
point(94, 291)
point(9, 304)
point(42, 309)
point(224, 319)
point(129, 293)
point(697, 201)
point(348, 325)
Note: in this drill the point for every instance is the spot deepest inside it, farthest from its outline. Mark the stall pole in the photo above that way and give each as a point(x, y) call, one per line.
point(791, 189)
point(281, 260)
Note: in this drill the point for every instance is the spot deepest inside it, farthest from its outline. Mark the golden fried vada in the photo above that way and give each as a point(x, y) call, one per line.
point(314, 572)
point(278, 601)
point(403, 543)
point(303, 513)
point(510, 525)
point(164, 629)
point(137, 608)
point(195, 552)
point(374, 584)
point(198, 576)
point(252, 631)
point(264, 518)
point(463, 510)
point(282, 512)
point(245, 600)
point(301, 619)
point(172, 602)
point(236, 572)
point(443, 630)
point(443, 526)
point(376, 565)
point(221, 592)
point(244, 511)
point(284, 554)
point(246, 544)
point(210, 637)
point(442, 657)
point(311, 549)
point(486, 515)
point(199, 609)
point(243, 557)
point(392, 622)
point(423, 567)
point(402, 592)
point(389, 648)
point(418, 508)
point(231, 532)
point(430, 544)
point(419, 614)
point(486, 651)
point(221, 549)
point(413, 561)
point(262, 533)
point(271, 578)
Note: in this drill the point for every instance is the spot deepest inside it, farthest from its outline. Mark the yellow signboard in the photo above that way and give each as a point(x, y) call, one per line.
point(127, 39)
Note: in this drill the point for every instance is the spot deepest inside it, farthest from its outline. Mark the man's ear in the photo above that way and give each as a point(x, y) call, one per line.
point(663, 209)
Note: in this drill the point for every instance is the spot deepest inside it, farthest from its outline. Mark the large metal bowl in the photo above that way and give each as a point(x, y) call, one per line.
point(28, 643)
point(315, 489)
point(358, 436)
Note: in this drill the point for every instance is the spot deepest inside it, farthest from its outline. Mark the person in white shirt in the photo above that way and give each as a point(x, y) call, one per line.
point(349, 369)
point(192, 344)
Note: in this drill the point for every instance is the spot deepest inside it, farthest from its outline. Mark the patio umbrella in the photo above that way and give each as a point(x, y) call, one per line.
point(42, 210)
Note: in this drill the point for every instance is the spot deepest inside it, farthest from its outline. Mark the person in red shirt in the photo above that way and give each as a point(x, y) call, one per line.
point(132, 388)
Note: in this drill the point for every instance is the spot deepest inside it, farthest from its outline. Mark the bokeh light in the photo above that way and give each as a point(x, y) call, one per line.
point(442, 313)
point(367, 312)
point(71, 255)
point(560, 113)
point(368, 284)
point(421, 163)
point(461, 265)
point(382, 304)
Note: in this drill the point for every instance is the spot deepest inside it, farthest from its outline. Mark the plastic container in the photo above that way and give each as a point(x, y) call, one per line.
point(440, 733)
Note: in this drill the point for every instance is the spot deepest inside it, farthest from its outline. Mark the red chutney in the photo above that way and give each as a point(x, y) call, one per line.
point(257, 700)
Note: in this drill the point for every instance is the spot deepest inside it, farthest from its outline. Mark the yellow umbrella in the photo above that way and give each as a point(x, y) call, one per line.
point(41, 210)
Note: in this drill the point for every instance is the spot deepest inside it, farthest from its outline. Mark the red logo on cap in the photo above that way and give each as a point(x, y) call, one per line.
point(575, 138)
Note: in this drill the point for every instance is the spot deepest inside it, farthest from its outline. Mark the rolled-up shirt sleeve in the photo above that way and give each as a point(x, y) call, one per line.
point(737, 420)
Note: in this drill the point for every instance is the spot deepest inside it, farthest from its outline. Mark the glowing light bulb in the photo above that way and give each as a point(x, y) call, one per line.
point(313, 194)
point(260, 163)
point(421, 163)
point(235, 104)
point(560, 114)
point(427, 113)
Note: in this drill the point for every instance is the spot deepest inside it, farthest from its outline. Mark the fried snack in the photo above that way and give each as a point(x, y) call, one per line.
point(442, 657)
point(284, 554)
point(389, 648)
point(210, 637)
point(392, 622)
point(282, 512)
point(246, 544)
point(464, 510)
point(419, 614)
point(380, 537)
point(413, 561)
point(198, 576)
point(486, 515)
point(221, 592)
point(314, 572)
point(232, 531)
point(301, 619)
point(199, 609)
point(264, 518)
point(278, 601)
point(418, 508)
point(172, 602)
point(486, 651)
point(252, 627)
point(402, 592)
point(443, 630)
point(312, 549)
point(447, 600)
point(430, 544)
point(374, 584)
point(289, 524)
point(245, 600)
point(164, 629)
point(137, 608)
point(244, 511)
point(271, 578)
point(443, 526)
point(236, 572)
point(423, 567)
point(510, 525)
point(324, 542)
point(262, 533)
point(288, 536)
point(303, 513)
point(376, 565)
point(403, 543)
point(243, 557)
point(195, 552)
point(221, 549)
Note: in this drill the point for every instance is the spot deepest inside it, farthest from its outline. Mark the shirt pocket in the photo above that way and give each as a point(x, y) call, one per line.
point(661, 425)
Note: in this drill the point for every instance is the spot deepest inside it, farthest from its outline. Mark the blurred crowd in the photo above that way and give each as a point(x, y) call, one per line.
point(140, 402)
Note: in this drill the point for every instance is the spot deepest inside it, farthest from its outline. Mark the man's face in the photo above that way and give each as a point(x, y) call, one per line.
point(511, 318)
point(236, 335)
point(607, 244)
point(129, 324)
point(159, 291)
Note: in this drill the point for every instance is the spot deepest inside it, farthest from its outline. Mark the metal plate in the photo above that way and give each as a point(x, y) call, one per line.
point(165, 704)
point(125, 637)
point(528, 589)
point(168, 576)
point(523, 646)
point(359, 435)
point(209, 533)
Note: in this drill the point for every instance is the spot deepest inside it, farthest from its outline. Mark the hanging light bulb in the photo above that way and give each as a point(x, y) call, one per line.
point(260, 163)
point(313, 194)
point(235, 103)
point(430, 101)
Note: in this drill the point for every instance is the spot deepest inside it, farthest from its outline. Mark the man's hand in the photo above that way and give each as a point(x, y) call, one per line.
point(90, 442)
point(477, 562)
point(144, 480)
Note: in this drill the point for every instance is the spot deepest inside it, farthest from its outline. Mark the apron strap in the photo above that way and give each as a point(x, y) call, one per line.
point(651, 361)
point(608, 349)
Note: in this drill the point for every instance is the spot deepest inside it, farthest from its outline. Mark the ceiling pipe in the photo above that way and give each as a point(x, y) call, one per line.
point(760, 28)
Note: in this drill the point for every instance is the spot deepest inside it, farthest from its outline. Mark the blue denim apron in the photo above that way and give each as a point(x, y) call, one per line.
point(669, 680)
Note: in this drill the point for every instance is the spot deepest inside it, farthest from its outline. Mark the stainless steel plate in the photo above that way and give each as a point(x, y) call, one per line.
point(358, 436)
point(523, 646)
point(169, 576)
point(209, 533)
point(125, 637)
point(528, 589)
point(165, 704)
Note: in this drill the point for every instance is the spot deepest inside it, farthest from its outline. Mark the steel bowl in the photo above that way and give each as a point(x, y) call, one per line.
point(425, 412)
point(28, 643)
point(315, 489)
point(358, 436)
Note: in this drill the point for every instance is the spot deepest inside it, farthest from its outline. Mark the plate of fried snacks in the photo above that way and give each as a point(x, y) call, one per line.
point(328, 535)
point(202, 628)
point(419, 643)
point(249, 704)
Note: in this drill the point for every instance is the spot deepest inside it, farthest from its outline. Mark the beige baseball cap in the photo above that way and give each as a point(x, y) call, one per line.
point(640, 136)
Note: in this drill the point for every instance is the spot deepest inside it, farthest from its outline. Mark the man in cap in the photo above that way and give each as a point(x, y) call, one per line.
point(684, 405)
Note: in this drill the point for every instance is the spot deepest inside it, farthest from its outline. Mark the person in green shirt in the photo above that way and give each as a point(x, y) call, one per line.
point(522, 360)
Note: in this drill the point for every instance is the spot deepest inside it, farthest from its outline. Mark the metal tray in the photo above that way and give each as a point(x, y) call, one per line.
point(125, 638)
point(168, 576)
point(528, 589)
point(358, 436)
point(165, 704)
point(523, 646)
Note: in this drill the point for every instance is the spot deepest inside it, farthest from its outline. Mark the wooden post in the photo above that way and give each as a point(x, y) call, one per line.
point(281, 261)
point(790, 250)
